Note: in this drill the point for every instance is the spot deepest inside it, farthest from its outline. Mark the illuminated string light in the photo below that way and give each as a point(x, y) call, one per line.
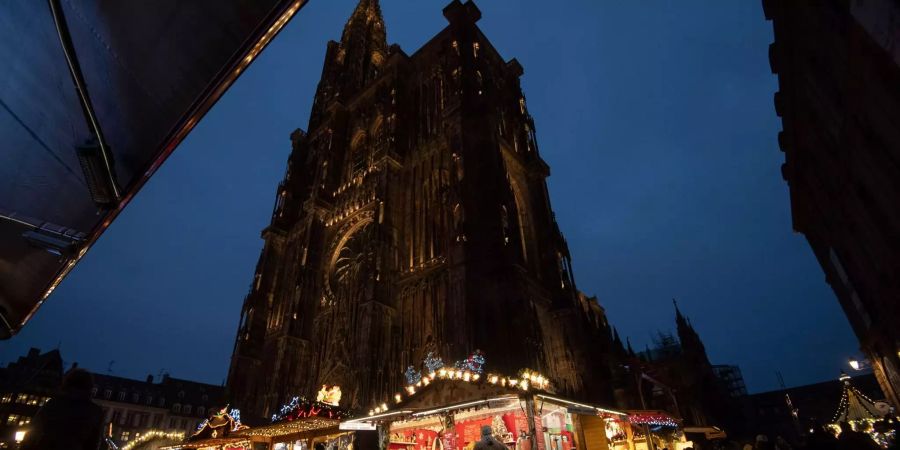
point(151, 435)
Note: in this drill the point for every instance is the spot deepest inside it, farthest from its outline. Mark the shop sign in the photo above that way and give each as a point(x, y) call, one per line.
point(581, 410)
point(356, 426)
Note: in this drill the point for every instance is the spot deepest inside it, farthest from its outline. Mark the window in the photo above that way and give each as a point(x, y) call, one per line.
point(107, 394)
point(149, 399)
point(21, 398)
point(135, 397)
point(94, 391)
point(7, 398)
point(204, 397)
point(162, 402)
point(180, 394)
point(121, 396)
point(125, 436)
point(44, 401)
point(176, 408)
point(201, 411)
point(171, 423)
point(17, 420)
point(187, 409)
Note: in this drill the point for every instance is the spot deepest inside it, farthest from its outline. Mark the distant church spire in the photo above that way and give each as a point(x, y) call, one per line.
point(679, 318)
point(690, 341)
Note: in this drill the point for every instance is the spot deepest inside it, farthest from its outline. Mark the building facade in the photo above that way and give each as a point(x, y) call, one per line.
point(838, 66)
point(413, 218)
point(677, 376)
point(132, 408)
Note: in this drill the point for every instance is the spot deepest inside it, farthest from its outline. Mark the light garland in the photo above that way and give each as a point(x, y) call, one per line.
point(301, 408)
point(154, 434)
point(655, 420)
point(527, 379)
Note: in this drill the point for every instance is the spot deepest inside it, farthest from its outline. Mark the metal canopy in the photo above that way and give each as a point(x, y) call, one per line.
point(152, 68)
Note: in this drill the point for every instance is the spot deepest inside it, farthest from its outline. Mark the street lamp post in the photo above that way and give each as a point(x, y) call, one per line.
point(859, 364)
point(19, 437)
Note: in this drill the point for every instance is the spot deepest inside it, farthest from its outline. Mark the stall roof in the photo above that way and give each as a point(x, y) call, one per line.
point(416, 410)
point(214, 442)
point(304, 425)
point(73, 158)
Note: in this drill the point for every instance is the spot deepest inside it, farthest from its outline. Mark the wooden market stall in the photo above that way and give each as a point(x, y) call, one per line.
point(447, 410)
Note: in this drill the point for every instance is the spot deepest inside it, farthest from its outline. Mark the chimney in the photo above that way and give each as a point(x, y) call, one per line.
point(34, 352)
point(74, 366)
point(149, 379)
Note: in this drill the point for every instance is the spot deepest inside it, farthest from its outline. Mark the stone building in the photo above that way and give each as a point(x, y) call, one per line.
point(838, 66)
point(677, 376)
point(413, 217)
point(132, 408)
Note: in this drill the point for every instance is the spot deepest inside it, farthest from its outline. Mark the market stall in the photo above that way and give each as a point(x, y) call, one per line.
point(862, 414)
point(447, 408)
point(299, 425)
point(654, 429)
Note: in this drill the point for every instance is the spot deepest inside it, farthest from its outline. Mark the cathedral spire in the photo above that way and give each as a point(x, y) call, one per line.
point(363, 44)
point(679, 318)
point(366, 18)
point(690, 340)
point(353, 62)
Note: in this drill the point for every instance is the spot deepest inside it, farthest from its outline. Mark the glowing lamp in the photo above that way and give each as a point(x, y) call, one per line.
point(398, 398)
point(20, 436)
point(854, 363)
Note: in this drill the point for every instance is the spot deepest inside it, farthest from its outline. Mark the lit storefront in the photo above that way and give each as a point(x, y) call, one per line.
point(447, 409)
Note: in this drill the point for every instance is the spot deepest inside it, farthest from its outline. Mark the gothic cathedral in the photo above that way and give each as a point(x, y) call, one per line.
point(413, 217)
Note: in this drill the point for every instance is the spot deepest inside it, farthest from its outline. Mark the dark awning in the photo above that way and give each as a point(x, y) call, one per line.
point(152, 70)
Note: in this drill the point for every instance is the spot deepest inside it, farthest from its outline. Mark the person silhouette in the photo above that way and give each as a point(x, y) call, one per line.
point(69, 420)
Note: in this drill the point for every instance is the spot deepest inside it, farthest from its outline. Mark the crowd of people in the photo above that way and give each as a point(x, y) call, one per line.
point(820, 438)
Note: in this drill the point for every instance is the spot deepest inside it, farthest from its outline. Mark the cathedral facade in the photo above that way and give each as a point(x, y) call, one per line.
point(413, 217)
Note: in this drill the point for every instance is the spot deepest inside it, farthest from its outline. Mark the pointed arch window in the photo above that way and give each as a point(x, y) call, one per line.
point(358, 154)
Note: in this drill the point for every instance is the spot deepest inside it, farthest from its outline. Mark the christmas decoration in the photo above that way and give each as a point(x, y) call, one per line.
point(219, 424)
point(412, 375)
point(854, 405)
point(474, 363)
point(653, 419)
point(498, 429)
point(432, 363)
point(329, 395)
point(301, 408)
point(151, 435)
point(469, 370)
point(860, 412)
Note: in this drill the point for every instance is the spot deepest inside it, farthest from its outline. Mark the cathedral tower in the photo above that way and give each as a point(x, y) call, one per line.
point(413, 218)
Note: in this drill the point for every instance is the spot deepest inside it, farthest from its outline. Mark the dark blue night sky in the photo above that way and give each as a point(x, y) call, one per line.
point(656, 119)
